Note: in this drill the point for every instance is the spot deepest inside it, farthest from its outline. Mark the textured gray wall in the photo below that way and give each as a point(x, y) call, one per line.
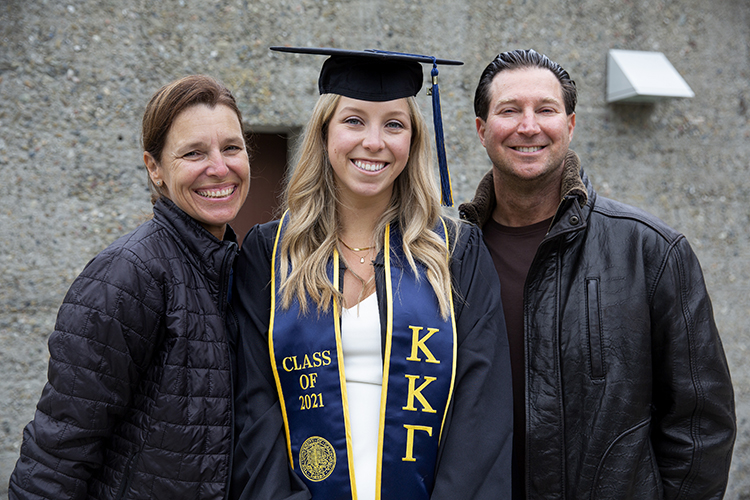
point(75, 75)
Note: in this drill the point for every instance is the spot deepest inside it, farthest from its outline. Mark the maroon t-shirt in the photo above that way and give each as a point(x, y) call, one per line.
point(513, 249)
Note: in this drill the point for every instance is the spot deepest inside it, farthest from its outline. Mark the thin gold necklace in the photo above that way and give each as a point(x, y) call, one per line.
point(361, 259)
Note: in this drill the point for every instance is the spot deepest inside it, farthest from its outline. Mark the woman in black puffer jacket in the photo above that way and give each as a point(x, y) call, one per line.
point(139, 398)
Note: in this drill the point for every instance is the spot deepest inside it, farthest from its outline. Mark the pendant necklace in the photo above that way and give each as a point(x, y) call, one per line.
point(361, 259)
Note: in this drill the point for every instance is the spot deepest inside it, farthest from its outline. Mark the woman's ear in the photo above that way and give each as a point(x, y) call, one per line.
point(153, 168)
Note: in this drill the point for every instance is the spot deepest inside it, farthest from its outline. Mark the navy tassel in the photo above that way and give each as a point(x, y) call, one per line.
point(445, 176)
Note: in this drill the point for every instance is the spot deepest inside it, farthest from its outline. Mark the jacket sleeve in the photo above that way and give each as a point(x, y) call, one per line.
point(261, 468)
point(104, 335)
point(474, 461)
point(694, 426)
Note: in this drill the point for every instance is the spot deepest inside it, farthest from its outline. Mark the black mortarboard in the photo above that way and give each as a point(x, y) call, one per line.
point(377, 75)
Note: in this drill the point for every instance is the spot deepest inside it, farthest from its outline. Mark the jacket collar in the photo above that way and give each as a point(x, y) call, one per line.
point(479, 209)
point(205, 250)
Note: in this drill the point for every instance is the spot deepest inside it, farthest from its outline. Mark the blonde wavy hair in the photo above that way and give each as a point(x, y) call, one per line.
point(311, 234)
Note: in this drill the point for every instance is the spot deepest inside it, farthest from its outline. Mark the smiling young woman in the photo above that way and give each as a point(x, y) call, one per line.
point(365, 273)
point(368, 147)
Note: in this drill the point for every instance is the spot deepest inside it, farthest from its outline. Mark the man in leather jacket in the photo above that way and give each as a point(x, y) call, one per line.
point(621, 386)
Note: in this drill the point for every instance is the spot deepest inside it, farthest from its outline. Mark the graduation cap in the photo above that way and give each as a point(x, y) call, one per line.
point(378, 75)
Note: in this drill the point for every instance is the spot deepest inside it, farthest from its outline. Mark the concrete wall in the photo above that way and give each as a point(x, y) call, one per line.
point(75, 75)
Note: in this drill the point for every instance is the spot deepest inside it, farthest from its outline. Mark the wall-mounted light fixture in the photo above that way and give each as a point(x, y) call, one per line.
point(637, 76)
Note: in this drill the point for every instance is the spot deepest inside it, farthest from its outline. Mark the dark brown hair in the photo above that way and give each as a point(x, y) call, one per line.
point(171, 100)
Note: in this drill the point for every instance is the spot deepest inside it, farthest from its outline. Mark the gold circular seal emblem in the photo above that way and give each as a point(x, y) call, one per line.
point(317, 458)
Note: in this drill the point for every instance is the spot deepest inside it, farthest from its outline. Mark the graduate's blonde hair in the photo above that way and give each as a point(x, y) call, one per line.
point(312, 228)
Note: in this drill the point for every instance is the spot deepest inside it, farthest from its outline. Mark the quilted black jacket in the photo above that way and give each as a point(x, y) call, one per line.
point(138, 402)
point(628, 393)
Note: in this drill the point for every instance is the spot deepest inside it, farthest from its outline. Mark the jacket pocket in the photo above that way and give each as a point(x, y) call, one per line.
point(127, 474)
point(628, 468)
point(593, 313)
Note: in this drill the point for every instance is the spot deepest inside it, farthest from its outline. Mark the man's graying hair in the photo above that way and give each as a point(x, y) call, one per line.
point(517, 59)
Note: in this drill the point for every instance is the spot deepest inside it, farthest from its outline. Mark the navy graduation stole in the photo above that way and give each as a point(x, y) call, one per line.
point(418, 379)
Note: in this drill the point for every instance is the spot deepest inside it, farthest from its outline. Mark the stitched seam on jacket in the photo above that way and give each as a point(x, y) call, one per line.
point(695, 463)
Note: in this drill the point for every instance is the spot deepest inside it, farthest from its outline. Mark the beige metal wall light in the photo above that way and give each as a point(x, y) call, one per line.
point(638, 76)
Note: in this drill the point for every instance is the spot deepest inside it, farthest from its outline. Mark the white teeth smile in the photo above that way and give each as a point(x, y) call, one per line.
point(369, 166)
point(222, 193)
point(528, 150)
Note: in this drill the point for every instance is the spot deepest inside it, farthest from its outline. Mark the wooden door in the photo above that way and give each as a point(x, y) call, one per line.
point(268, 161)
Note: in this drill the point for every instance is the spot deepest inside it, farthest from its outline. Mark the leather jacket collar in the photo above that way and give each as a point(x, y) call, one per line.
point(479, 209)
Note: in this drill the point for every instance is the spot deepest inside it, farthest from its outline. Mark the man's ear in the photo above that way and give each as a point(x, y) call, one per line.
point(480, 129)
point(571, 125)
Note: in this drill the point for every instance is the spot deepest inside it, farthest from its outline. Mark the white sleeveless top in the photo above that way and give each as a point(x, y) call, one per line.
point(363, 367)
